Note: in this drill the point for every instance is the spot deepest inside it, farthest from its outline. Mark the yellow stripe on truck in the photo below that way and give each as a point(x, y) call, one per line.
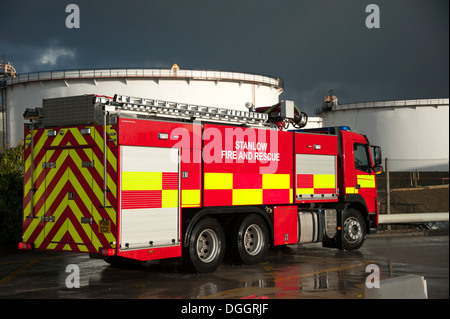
point(141, 181)
point(324, 181)
point(218, 180)
point(247, 196)
point(366, 181)
point(305, 191)
point(190, 197)
point(351, 190)
point(276, 181)
point(169, 198)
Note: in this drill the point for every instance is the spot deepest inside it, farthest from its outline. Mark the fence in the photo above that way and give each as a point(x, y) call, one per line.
point(412, 187)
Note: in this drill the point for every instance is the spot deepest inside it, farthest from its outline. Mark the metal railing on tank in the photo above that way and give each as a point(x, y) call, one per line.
point(147, 73)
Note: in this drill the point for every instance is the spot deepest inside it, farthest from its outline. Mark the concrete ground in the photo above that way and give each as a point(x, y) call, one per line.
point(291, 272)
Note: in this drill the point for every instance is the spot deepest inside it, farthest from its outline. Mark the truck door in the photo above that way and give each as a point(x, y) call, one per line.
point(358, 175)
point(68, 210)
point(364, 177)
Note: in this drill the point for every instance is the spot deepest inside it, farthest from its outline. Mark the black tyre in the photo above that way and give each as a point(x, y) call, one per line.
point(248, 240)
point(206, 246)
point(353, 230)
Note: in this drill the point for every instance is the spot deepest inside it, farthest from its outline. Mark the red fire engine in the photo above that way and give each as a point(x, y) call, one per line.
point(143, 179)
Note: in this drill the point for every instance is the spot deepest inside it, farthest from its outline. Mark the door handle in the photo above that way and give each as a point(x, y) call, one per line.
point(86, 220)
point(48, 165)
point(50, 219)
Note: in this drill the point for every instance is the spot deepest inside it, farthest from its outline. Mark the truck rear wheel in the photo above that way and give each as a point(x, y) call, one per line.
point(249, 240)
point(354, 230)
point(206, 246)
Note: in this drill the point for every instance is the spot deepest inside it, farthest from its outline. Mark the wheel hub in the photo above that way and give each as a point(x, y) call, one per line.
point(352, 229)
point(207, 245)
point(253, 239)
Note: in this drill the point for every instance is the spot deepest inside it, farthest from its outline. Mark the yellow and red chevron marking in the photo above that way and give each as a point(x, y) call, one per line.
point(52, 218)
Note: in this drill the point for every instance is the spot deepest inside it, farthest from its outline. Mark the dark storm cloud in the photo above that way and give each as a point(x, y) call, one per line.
point(313, 45)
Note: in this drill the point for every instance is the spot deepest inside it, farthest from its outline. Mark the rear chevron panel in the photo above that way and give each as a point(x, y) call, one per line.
point(63, 189)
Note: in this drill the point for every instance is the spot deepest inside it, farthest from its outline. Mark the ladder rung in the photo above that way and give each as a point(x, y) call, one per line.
point(153, 107)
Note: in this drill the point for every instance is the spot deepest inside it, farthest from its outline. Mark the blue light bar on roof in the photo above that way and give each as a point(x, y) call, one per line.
point(329, 130)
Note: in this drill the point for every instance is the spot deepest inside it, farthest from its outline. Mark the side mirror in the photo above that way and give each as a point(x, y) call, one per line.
point(378, 160)
point(378, 169)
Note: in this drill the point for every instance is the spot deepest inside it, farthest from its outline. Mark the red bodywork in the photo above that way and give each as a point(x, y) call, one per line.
point(230, 166)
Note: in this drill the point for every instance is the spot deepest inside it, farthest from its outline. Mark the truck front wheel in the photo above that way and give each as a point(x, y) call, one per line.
point(354, 230)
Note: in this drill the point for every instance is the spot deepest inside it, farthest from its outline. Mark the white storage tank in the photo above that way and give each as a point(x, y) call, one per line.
point(201, 87)
point(413, 134)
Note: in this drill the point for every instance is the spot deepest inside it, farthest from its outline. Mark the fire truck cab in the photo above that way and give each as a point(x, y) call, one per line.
point(121, 177)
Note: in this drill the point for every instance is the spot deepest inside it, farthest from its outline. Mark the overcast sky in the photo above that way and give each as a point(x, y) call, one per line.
point(313, 45)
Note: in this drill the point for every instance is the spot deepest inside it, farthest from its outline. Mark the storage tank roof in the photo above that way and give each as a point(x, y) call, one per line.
point(381, 104)
point(173, 73)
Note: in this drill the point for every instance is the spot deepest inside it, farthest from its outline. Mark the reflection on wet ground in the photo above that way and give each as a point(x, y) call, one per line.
point(293, 272)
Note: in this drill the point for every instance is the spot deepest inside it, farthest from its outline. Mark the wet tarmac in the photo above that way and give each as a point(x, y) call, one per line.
point(294, 272)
